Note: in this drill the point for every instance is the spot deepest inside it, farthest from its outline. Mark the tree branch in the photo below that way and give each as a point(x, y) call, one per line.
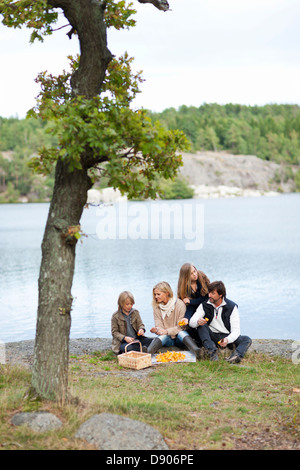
point(160, 4)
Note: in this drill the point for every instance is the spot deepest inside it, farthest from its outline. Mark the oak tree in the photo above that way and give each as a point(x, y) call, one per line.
point(99, 133)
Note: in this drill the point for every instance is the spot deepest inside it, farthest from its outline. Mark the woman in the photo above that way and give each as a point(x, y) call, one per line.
point(168, 311)
point(192, 288)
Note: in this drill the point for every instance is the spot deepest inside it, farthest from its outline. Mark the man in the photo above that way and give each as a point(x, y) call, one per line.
point(217, 321)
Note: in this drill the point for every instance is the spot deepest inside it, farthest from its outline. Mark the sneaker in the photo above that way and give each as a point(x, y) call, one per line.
point(213, 355)
point(234, 358)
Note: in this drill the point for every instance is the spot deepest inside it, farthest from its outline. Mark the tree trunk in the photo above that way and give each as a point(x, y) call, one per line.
point(51, 354)
point(50, 368)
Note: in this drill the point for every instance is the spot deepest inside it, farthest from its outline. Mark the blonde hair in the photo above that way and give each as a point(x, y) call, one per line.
point(163, 287)
point(123, 297)
point(184, 282)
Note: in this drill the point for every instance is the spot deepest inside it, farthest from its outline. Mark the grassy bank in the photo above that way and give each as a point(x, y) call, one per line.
point(203, 405)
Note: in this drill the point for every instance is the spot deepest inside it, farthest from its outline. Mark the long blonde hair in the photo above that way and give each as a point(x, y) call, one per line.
point(184, 288)
point(163, 287)
point(184, 281)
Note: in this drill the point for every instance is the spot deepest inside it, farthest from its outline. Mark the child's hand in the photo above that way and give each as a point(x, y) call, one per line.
point(128, 339)
point(141, 332)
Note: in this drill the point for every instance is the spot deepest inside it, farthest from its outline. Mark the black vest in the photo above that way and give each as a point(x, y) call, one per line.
point(226, 312)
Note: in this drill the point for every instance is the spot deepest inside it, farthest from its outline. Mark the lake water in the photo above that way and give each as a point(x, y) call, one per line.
point(252, 244)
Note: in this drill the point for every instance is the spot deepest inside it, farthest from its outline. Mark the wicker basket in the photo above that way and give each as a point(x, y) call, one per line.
point(135, 359)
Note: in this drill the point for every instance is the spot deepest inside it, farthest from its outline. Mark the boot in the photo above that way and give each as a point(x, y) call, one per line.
point(155, 345)
point(192, 346)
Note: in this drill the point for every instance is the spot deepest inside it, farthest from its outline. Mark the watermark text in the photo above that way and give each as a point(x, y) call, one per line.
point(156, 220)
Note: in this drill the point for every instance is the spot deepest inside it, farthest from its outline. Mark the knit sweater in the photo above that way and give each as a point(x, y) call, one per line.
point(170, 323)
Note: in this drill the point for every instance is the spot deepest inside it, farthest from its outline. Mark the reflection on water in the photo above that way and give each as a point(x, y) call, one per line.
point(252, 244)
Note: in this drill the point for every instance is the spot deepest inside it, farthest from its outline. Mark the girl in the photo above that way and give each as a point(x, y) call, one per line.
point(192, 288)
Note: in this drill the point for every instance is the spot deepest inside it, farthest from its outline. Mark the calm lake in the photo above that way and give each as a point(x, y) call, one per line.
point(252, 244)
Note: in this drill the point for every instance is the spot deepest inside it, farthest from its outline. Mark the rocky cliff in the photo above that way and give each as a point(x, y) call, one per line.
point(219, 173)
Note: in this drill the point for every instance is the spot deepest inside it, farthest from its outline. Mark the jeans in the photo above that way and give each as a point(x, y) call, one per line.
point(135, 346)
point(178, 341)
point(210, 340)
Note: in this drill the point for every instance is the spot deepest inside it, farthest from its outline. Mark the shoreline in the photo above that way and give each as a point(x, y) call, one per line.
point(98, 197)
point(211, 174)
point(21, 352)
point(201, 191)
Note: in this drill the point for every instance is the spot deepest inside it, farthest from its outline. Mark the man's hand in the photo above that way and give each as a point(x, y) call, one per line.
point(223, 343)
point(201, 321)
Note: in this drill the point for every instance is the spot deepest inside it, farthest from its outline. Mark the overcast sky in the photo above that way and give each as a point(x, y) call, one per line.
point(203, 51)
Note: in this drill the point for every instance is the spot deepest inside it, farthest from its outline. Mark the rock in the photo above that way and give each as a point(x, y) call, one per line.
point(220, 174)
point(94, 196)
point(105, 195)
point(273, 347)
point(80, 346)
point(211, 192)
point(21, 352)
point(112, 432)
point(39, 421)
point(112, 195)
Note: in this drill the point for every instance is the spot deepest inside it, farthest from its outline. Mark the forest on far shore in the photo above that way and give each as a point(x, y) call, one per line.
point(271, 132)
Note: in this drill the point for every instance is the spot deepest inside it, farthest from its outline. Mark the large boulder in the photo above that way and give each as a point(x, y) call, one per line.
point(112, 432)
point(40, 421)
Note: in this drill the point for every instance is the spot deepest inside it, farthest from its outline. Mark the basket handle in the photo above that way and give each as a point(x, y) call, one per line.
point(136, 341)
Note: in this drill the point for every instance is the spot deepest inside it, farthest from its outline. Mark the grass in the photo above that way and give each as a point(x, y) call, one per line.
point(203, 405)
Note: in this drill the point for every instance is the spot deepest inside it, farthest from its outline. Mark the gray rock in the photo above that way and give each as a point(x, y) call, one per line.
point(273, 347)
point(112, 432)
point(40, 421)
point(242, 171)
